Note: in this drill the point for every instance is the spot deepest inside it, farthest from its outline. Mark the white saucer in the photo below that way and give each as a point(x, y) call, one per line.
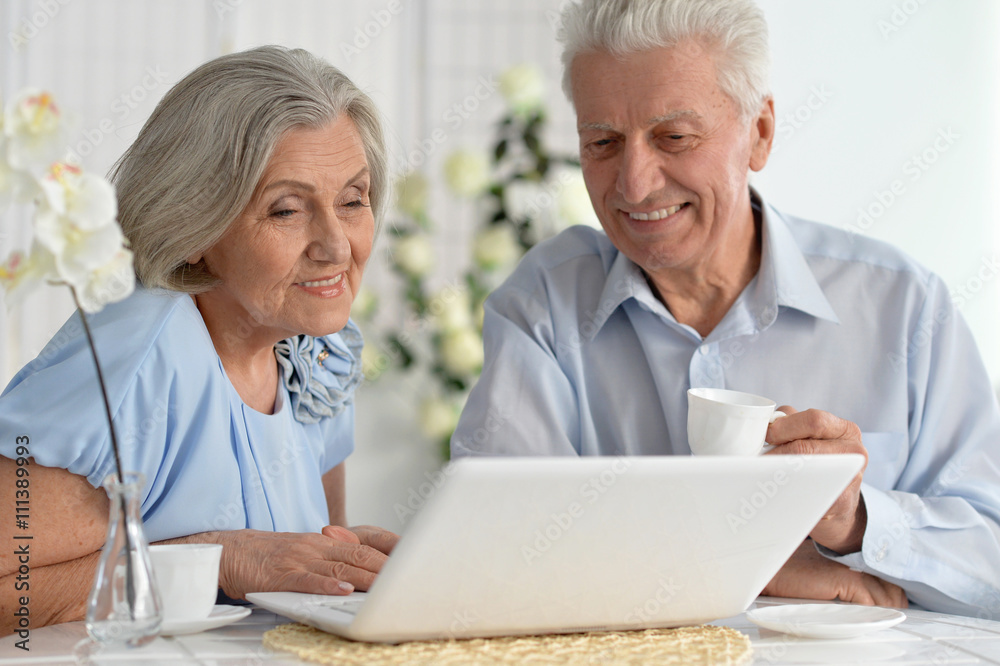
point(219, 617)
point(825, 620)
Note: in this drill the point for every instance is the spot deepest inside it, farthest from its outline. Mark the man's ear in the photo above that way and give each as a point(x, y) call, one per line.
point(762, 128)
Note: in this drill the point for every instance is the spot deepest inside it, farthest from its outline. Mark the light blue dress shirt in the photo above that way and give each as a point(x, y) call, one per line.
point(210, 461)
point(583, 359)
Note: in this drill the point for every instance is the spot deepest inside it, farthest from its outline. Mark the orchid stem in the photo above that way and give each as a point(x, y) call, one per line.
point(129, 583)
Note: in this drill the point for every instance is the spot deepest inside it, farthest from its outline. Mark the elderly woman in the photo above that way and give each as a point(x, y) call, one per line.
point(251, 198)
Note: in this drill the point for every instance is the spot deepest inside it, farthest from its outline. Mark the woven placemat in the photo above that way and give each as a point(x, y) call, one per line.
point(684, 645)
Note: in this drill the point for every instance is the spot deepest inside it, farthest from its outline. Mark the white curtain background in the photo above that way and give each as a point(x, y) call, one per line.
point(887, 125)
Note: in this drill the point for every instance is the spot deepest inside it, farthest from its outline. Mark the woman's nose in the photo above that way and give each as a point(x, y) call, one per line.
point(330, 244)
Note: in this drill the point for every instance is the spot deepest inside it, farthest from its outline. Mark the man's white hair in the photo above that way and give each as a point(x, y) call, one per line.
point(734, 31)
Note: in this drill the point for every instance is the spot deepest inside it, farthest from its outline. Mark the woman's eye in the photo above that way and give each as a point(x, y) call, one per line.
point(284, 212)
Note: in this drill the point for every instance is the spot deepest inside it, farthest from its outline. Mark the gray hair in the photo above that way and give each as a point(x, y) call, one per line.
point(198, 159)
point(734, 29)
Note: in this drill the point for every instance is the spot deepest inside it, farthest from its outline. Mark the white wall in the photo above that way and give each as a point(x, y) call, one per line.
point(856, 103)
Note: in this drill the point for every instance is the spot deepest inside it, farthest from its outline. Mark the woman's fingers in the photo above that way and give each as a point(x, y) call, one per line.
point(340, 533)
point(376, 537)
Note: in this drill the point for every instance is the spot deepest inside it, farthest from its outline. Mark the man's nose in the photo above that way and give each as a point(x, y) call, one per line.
point(639, 175)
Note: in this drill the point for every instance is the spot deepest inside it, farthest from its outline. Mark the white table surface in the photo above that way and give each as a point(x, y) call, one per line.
point(924, 638)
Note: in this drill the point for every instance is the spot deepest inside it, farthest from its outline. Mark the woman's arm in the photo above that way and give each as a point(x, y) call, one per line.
point(334, 485)
point(68, 523)
point(66, 520)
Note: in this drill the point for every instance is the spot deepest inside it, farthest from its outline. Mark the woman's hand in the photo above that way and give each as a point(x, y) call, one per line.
point(337, 561)
point(809, 575)
point(376, 537)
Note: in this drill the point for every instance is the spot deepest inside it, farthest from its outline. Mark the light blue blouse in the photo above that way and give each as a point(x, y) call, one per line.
point(210, 461)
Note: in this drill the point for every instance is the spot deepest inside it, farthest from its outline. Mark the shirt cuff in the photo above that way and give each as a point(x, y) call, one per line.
point(885, 548)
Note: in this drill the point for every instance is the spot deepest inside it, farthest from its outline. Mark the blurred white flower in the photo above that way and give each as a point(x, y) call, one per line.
point(85, 198)
point(467, 172)
point(365, 304)
point(76, 223)
point(451, 308)
point(462, 352)
point(523, 87)
point(21, 274)
point(438, 418)
point(411, 193)
point(36, 132)
point(525, 199)
point(496, 246)
point(15, 186)
point(413, 255)
point(78, 252)
point(573, 201)
point(109, 283)
point(373, 362)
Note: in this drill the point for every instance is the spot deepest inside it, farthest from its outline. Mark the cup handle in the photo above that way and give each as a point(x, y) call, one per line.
point(765, 447)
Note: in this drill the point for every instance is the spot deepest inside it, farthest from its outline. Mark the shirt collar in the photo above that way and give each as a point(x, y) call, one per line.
point(783, 280)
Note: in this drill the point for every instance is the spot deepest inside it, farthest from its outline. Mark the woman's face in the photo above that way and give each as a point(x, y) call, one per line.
point(292, 262)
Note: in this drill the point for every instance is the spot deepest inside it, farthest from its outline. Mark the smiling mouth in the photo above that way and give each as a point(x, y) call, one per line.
point(323, 283)
point(658, 214)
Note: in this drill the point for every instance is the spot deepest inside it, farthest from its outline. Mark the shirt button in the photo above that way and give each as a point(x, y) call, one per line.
point(881, 554)
point(704, 350)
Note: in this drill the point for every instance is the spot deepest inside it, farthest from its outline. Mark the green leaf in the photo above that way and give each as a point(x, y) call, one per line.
point(532, 142)
point(406, 356)
point(500, 150)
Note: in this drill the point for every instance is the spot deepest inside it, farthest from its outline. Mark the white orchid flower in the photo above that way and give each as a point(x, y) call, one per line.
point(15, 186)
point(76, 222)
point(35, 129)
point(85, 198)
point(20, 274)
point(109, 283)
point(77, 252)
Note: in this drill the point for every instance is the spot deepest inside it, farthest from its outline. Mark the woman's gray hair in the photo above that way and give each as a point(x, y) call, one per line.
point(734, 29)
point(198, 159)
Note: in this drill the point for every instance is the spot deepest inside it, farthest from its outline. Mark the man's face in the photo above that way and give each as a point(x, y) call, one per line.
point(665, 155)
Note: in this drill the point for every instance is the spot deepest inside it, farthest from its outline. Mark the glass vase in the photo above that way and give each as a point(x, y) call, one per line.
point(124, 605)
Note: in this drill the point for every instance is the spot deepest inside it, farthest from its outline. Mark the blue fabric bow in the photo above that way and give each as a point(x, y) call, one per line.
point(321, 384)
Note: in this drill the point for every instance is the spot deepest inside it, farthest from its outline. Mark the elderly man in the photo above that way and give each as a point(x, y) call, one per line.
point(593, 342)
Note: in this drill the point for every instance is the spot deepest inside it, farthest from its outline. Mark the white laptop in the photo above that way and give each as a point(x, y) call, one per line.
point(511, 546)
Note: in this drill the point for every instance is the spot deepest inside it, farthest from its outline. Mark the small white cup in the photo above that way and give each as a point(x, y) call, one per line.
point(722, 422)
point(187, 576)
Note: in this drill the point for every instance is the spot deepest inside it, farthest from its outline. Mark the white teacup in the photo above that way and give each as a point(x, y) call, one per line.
point(722, 422)
point(187, 576)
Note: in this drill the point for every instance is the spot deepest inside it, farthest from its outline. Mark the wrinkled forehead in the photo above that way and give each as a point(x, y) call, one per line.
point(647, 87)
